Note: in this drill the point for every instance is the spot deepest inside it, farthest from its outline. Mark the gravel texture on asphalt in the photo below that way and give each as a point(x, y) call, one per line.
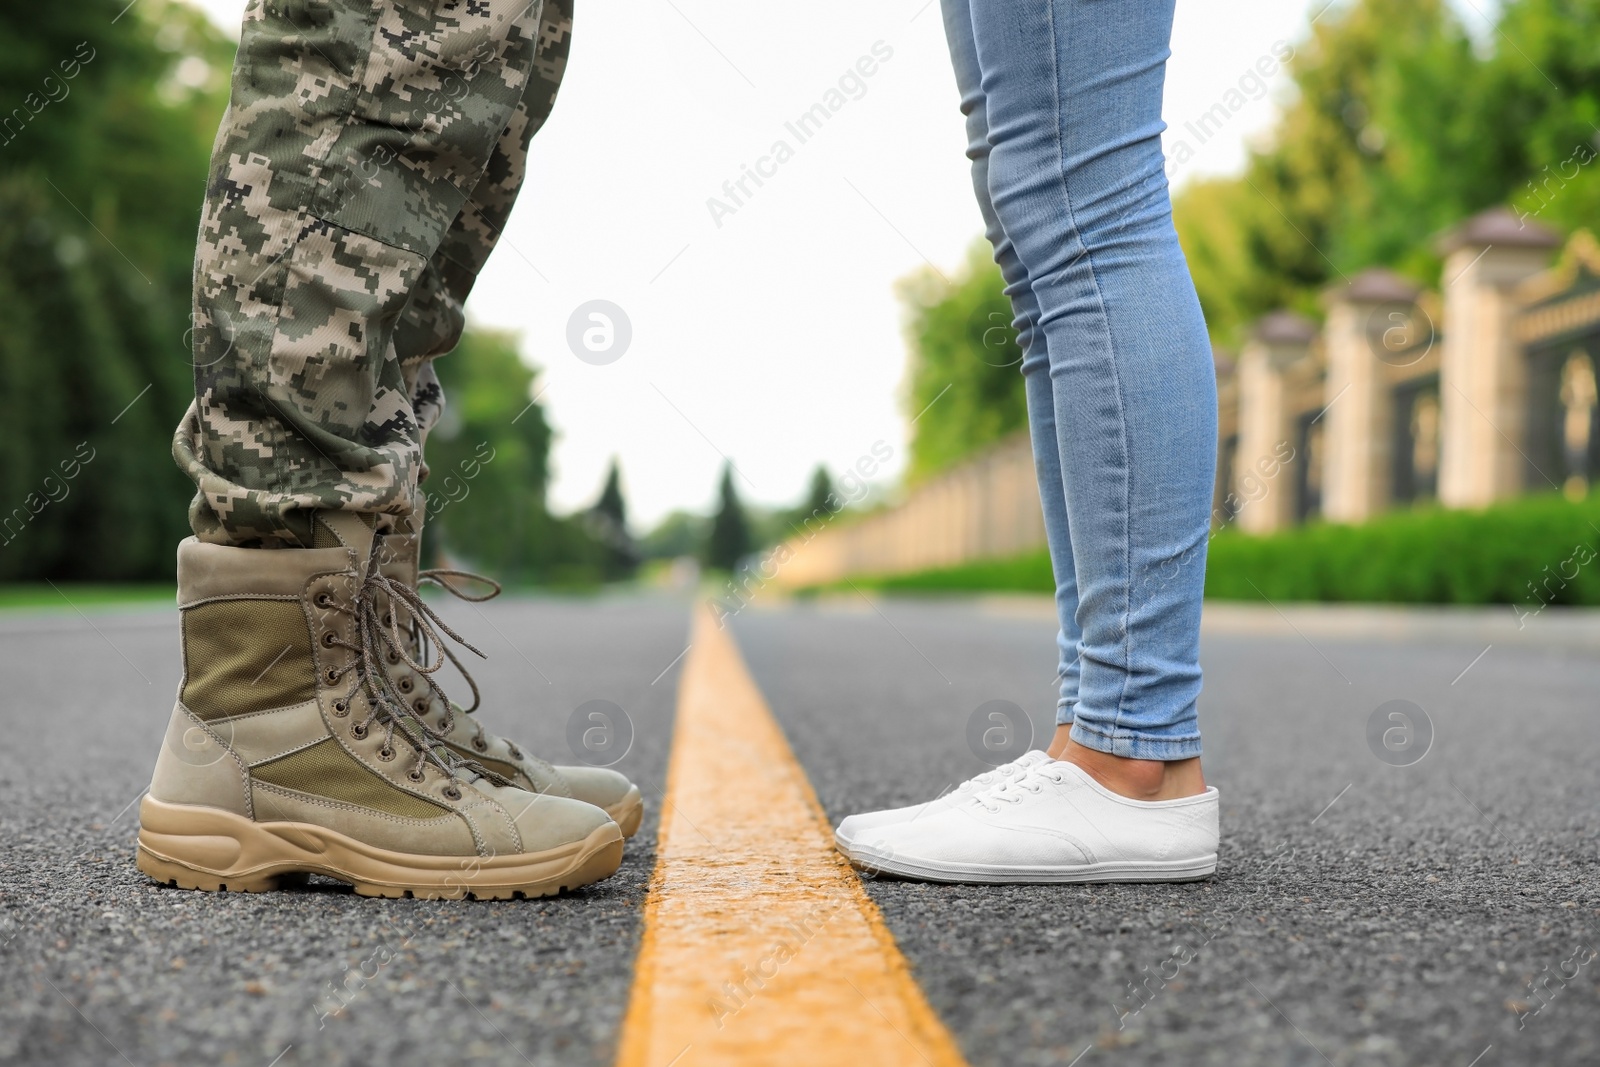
point(99, 965)
point(1363, 913)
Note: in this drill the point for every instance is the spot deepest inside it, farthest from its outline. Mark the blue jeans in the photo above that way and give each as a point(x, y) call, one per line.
point(1063, 107)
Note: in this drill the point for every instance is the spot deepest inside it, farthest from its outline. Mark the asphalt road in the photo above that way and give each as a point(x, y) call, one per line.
point(1364, 913)
point(100, 966)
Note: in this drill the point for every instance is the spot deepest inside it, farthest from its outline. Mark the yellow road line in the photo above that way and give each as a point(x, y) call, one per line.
point(760, 946)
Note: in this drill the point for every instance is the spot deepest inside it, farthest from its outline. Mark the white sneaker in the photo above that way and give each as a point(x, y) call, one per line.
point(1054, 823)
point(856, 825)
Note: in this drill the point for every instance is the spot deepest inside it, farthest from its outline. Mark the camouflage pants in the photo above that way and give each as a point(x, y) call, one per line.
point(366, 165)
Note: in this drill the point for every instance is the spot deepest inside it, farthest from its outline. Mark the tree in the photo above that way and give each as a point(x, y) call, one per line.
point(681, 533)
point(730, 539)
point(1400, 127)
point(1545, 73)
point(102, 163)
point(964, 381)
point(488, 469)
point(607, 522)
point(818, 507)
point(820, 498)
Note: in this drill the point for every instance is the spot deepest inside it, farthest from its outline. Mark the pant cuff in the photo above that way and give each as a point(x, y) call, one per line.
point(1130, 745)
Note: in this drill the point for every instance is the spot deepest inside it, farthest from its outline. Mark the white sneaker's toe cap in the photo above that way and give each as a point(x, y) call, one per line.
point(855, 828)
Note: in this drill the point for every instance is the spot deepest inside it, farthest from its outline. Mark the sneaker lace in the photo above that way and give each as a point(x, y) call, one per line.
point(1011, 791)
point(378, 633)
point(989, 779)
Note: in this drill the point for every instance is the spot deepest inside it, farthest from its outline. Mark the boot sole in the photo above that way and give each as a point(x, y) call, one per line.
point(628, 812)
point(209, 849)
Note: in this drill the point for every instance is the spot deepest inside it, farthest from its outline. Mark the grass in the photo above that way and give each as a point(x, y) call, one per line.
point(1028, 573)
point(69, 595)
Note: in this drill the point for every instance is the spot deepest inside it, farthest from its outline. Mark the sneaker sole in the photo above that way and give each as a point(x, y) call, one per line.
point(628, 812)
point(209, 849)
point(984, 874)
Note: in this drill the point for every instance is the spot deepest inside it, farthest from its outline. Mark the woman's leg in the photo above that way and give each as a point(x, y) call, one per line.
point(1073, 96)
point(1035, 360)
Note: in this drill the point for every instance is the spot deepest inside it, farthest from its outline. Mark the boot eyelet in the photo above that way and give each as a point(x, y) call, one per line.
point(420, 705)
point(328, 639)
point(323, 600)
point(393, 657)
point(341, 708)
point(480, 744)
point(388, 619)
point(415, 776)
point(359, 731)
point(386, 753)
point(331, 676)
point(404, 685)
point(516, 753)
point(452, 792)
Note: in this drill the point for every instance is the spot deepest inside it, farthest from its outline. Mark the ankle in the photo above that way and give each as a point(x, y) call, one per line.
point(1136, 779)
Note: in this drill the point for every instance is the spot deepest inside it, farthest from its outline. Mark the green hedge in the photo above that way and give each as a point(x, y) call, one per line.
point(1536, 551)
point(1028, 573)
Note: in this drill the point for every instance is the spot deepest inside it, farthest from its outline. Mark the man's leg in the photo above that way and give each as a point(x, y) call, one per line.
point(352, 141)
point(430, 327)
point(342, 162)
point(432, 322)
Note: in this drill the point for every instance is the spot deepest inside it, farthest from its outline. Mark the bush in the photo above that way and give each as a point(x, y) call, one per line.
point(488, 470)
point(1534, 551)
point(1028, 573)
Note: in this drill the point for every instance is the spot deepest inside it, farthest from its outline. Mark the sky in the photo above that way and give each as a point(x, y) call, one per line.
point(769, 334)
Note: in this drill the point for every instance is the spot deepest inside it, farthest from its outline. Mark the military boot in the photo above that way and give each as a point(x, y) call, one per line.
point(458, 726)
point(291, 752)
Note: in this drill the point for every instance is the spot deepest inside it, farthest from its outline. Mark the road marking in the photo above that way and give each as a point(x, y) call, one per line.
point(760, 945)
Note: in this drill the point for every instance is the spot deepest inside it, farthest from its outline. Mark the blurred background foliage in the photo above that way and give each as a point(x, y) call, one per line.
point(102, 170)
point(1403, 124)
point(965, 379)
point(102, 165)
point(101, 178)
point(1400, 124)
point(488, 469)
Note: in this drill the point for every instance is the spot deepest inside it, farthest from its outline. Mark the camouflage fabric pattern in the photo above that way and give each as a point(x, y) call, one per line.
point(364, 169)
point(432, 322)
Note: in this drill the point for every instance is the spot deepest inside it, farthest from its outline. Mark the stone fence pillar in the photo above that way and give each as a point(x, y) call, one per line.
point(1372, 317)
point(1483, 374)
point(1261, 482)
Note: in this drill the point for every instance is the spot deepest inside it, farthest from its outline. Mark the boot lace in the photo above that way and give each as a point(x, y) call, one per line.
point(378, 633)
point(421, 637)
point(446, 578)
